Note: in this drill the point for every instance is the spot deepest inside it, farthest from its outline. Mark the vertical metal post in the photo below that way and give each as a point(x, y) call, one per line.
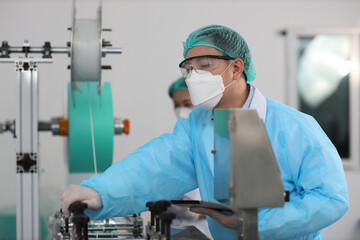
point(27, 178)
point(249, 224)
point(240, 226)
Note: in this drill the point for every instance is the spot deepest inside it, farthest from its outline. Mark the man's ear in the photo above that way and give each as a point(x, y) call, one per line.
point(238, 68)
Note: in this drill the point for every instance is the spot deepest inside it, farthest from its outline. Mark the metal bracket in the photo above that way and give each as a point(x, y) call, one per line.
point(26, 162)
point(5, 52)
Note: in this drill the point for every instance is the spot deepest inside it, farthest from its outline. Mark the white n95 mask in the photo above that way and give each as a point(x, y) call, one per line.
point(182, 112)
point(206, 89)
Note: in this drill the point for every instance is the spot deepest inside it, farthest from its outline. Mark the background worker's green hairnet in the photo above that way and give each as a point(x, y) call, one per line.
point(179, 84)
point(225, 40)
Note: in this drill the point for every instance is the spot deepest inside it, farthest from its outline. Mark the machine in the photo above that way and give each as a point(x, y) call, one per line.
point(79, 226)
point(87, 96)
point(243, 151)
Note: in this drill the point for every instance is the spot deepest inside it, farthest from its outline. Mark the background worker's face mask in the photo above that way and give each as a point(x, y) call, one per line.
point(182, 112)
point(206, 89)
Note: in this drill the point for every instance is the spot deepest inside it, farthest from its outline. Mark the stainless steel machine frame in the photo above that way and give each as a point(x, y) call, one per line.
point(26, 134)
point(129, 227)
point(26, 126)
point(243, 151)
point(27, 178)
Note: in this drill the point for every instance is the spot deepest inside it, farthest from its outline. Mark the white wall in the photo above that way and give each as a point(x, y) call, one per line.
point(151, 34)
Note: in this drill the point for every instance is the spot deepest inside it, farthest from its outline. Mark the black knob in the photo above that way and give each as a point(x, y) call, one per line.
point(162, 206)
point(77, 207)
point(157, 208)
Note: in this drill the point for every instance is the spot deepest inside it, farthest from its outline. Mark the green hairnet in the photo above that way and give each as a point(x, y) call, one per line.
point(225, 40)
point(179, 84)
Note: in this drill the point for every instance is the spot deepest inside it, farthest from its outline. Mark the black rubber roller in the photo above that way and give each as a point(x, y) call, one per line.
point(77, 207)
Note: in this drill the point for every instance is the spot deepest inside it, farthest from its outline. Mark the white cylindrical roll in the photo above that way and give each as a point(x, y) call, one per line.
point(86, 51)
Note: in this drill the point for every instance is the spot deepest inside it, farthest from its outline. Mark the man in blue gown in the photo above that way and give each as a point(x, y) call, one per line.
point(218, 69)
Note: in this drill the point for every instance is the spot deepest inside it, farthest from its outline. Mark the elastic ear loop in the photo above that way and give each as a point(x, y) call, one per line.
point(225, 70)
point(227, 67)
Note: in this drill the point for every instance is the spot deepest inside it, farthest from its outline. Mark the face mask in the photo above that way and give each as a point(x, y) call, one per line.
point(182, 112)
point(206, 89)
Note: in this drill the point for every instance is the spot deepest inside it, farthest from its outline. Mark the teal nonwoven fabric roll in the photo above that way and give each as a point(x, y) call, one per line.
point(81, 158)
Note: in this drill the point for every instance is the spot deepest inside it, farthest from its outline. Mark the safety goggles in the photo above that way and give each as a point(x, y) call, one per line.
point(203, 63)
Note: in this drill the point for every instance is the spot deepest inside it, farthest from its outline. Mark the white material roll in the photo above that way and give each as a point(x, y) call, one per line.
point(86, 50)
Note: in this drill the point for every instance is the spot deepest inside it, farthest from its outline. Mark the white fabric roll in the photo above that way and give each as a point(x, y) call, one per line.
point(86, 51)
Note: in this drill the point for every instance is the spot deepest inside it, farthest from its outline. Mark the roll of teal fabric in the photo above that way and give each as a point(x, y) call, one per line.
point(81, 157)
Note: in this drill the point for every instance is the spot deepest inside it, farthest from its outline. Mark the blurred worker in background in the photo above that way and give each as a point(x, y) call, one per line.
point(179, 93)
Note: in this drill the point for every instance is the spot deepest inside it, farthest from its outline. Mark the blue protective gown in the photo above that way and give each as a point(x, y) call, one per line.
point(173, 164)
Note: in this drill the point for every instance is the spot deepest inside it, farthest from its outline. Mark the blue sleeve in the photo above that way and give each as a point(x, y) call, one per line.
point(161, 169)
point(312, 169)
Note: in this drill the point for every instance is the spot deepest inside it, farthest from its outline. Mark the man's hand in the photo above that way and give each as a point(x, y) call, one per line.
point(80, 193)
point(228, 221)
